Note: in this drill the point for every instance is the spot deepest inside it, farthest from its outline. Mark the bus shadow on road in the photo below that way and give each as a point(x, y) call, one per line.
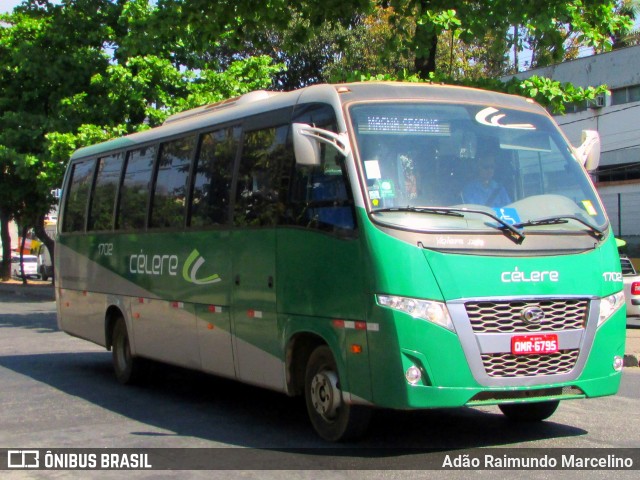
point(181, 403)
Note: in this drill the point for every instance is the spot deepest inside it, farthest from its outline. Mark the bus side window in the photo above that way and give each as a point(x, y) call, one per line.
point(213, 177)
point(132, 211)
point(76, 203)
point(168, 207)
point(319, 196)
point(105, 191)
point(264, 155)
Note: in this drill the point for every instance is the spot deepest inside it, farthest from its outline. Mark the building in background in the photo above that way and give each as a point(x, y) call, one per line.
point(617, 118)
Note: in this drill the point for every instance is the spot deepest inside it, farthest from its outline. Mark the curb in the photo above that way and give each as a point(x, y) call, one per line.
point(38, 292)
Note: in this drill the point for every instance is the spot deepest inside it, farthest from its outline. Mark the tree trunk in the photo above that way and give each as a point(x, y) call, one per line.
point(516, 61)
point(5, 269)
point(427, 43)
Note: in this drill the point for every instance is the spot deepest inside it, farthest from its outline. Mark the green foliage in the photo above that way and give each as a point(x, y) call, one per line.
point(555, 94)
point(551, 30)
point(62, 145)
point(144, 91)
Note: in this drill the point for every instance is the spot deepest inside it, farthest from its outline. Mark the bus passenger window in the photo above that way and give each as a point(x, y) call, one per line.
point(105, 191)
point(214, 172)
point(76, 203)
point(264, 154)
point(132, 211)
point(319, 195)
point(169, 196)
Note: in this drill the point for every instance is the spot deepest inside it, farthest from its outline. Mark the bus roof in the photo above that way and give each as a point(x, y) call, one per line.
point(340, 94)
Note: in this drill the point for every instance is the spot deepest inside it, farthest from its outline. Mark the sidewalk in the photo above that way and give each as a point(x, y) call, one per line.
point(43, 291)
point(36, 289)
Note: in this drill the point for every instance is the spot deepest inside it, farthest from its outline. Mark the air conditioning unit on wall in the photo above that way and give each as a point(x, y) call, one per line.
point(598, 102)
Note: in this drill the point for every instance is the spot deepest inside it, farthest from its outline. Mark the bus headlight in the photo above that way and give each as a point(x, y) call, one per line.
point(610, 305)
point(434, 312)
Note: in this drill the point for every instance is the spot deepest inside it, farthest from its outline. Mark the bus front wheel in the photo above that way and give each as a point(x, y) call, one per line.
point(128, 369)
point(331, 417)
point(529, 412)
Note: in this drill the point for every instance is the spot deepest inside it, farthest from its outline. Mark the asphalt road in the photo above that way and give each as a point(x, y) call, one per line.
point(59, 392)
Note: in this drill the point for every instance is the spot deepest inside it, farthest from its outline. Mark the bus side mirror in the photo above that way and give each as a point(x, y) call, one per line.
point(589, 152)
point(307, 139)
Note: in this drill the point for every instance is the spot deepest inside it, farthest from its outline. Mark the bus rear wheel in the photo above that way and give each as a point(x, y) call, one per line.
point(529, 412)
point(331, 417)
point(128, 369)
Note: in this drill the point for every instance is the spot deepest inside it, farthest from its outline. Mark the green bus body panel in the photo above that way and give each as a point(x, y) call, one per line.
point(599, 378)
point(156, 263)
point(401, 269)
point(461, 276)
point(353, 368)
point(320, 275)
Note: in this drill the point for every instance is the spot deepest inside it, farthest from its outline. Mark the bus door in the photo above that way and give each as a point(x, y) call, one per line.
point(257, 349)
point(210, 212)
point(254, 309)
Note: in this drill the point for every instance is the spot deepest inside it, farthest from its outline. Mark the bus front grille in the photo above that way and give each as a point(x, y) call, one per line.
point(507, 365)
point(507, 317)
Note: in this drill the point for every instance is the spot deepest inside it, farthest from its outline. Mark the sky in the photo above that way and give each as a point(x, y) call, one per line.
point(8, 5)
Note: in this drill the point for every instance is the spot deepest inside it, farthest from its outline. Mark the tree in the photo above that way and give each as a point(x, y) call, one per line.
point(9, 203)
point(144, 91)
point(421, 22)
point(47, 52)
point(628, 36)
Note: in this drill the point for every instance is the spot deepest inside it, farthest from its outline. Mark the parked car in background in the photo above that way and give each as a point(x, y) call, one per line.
point(30, 263)
point(631, 290)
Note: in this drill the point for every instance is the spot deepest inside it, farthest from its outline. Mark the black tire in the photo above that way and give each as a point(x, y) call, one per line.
point(529, 412)
point(128, 369)
point(332, 418)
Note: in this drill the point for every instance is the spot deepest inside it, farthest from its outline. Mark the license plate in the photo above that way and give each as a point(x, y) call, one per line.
point(534, 344)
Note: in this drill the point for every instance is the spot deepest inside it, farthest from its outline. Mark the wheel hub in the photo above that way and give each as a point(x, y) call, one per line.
point(325, 395)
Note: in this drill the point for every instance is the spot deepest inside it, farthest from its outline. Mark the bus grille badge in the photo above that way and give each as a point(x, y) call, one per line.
point(532, 315)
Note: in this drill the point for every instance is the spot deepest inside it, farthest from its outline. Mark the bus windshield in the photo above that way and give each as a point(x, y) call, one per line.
point(452, 167)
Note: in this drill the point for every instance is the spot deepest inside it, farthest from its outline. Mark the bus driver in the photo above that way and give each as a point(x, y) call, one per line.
point(483, 189)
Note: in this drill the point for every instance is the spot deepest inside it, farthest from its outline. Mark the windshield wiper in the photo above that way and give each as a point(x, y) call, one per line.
point(511, 232)
point(597, 233)
point(433, 210)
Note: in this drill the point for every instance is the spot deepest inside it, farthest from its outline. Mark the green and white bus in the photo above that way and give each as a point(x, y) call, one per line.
point(334, 242)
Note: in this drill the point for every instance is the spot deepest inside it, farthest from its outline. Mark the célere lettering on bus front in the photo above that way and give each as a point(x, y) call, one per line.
point(534, 276)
